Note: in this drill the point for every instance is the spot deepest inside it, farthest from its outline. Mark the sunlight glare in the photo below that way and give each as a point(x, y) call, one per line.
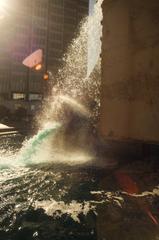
point(3, 4)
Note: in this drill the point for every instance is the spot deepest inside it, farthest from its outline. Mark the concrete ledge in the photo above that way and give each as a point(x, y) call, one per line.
point(125, 151)
point(8, 133)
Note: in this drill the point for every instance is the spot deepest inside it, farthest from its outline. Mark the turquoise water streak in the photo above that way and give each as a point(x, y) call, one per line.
point(33, 145)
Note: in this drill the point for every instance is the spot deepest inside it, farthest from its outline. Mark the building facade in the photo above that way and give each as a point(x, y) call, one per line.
point(29, 25)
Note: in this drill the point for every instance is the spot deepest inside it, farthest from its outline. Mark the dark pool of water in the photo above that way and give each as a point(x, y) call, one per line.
point(46, 202)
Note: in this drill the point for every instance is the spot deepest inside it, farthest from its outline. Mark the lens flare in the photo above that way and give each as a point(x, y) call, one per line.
point(38, 67)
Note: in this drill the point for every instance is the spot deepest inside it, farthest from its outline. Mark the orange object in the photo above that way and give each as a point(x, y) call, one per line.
point(38, 67)
point(129, 186)
point(126, 182)
point(46, 76)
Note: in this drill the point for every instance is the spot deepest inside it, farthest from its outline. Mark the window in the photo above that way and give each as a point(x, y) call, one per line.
point(35, 96)
point(18, 96)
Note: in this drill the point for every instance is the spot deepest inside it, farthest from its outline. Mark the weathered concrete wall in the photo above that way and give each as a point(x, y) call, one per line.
point(130, 70)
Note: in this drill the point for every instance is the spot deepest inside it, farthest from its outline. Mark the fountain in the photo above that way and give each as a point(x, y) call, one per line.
point(55, 187)
point(70, 112)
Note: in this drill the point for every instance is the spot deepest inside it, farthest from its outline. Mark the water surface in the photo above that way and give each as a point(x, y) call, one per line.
point(57, 201)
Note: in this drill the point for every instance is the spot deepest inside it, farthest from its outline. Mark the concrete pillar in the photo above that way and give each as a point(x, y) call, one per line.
point(130, 70)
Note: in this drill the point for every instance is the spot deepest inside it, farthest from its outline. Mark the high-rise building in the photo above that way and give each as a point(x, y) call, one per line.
point(28, 25)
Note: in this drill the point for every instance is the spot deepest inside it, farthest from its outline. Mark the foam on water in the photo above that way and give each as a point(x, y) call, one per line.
point(73, 209)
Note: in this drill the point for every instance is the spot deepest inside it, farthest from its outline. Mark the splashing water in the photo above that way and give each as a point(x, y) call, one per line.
point(13, 158)
point(8, 159)
point(42, 203)
point(94, 35)
point(42, 149)
point(79, 77)
point(33, 146)
point(75, 92)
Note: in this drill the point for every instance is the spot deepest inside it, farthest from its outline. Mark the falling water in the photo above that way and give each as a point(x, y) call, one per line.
point(79, 77)
point(76, 91)
point(42, 202)
point(94, 34)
